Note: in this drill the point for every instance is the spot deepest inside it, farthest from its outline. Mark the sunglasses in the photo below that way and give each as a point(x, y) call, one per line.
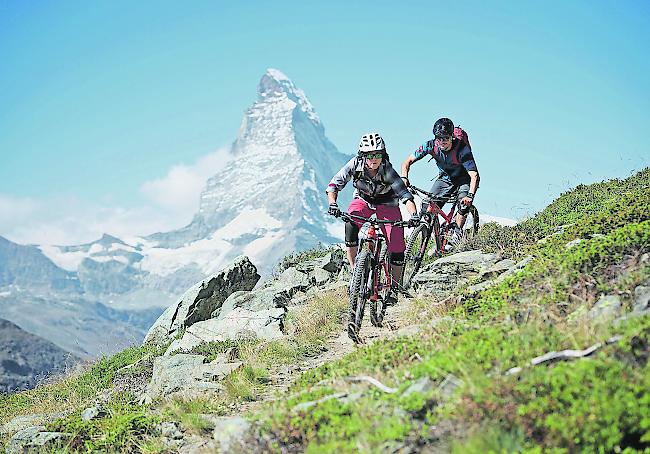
point(443, 138)
point(374, 156)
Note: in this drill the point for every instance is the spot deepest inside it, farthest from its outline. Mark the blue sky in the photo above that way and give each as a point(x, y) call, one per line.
point(101, 100)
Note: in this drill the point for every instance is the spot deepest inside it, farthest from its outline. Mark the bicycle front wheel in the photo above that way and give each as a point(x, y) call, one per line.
point(414, 254)
point(358, 294)
point(378, 307)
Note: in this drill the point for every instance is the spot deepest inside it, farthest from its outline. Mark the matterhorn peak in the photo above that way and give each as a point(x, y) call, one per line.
point(275, 86)
point(270, 197)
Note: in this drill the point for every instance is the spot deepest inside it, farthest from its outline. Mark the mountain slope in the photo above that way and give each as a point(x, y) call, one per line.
point(552, 357)
point(26, 358)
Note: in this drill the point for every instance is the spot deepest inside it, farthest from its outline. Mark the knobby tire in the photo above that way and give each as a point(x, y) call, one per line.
point(414, 254)
point(378, 308)
point(358, 294)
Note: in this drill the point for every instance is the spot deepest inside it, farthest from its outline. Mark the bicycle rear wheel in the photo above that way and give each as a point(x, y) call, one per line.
point(358, 294)
point(414, 254)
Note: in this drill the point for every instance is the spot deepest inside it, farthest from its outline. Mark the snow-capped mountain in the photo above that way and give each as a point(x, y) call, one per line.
point(268, 201)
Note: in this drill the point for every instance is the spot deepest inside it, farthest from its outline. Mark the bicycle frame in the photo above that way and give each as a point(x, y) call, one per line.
point(434, 210)
point(367, 282)
point(375, 239)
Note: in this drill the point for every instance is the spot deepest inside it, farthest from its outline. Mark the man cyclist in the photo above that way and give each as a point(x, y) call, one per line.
point(458, 171)
point(378, 190)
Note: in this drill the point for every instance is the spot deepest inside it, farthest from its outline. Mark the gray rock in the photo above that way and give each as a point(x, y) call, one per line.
point(607, 307)
point(230, 433)
point(237, 324)
point(345, 274)
point(498, 268)
point(333, 261)
point(447, 273)
point(274, 294)
point(573, 243)
point(32, 439)
point(252, 301)
point(448, 386)
point(202, 299)
point(421, 386)
point(480, 286)
point(641, 298)
point(91, 413)
point(170, 430)
point(475, 259)
point(187, 375)
point(320, 276)
point(515, 269)
point(409, 330)
point(21, 422)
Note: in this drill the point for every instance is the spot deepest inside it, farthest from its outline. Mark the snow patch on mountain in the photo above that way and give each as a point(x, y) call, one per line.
point(69, 261)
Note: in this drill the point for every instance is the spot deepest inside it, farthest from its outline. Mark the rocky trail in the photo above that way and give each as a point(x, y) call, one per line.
point(228, 306)
point(337, 347)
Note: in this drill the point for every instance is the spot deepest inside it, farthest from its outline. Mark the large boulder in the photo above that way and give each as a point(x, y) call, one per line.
point(187, 375)
point(239, 323)
point(276, 293)
point(445, 274)
point(33, 439)
point(202, 299)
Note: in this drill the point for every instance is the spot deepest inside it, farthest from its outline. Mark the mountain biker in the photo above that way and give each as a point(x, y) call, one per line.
point(458, 171)
point(378, 189)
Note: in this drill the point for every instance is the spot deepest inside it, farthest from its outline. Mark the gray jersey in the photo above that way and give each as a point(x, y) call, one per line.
point(385, 188)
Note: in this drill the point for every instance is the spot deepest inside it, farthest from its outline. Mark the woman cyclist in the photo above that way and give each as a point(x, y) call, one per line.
point(378, 190)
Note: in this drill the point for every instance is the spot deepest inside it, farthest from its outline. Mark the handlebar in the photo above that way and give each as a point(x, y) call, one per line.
point(433, 197)
point(347, 217)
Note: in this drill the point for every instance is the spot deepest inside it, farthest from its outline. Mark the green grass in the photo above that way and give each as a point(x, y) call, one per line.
point(591, 405)
point(122, 429)
point(75, 390)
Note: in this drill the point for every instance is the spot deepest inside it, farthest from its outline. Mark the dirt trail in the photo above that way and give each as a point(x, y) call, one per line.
point(337, 347)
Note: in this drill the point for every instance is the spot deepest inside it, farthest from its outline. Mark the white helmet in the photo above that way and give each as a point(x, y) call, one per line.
point(371, 142)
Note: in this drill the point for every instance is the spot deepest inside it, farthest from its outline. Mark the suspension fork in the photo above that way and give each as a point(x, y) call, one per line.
point(375, 270)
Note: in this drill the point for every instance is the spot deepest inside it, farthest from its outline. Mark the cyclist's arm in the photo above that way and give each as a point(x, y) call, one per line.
point(475, 178)
point(418, 154)
point(340, 179)
point(467, 160)
point(410, 206)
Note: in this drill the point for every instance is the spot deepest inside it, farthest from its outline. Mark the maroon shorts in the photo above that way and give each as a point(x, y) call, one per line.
point(394, 235)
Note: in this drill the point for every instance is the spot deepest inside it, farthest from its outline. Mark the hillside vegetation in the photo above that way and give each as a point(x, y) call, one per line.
point(463, 381)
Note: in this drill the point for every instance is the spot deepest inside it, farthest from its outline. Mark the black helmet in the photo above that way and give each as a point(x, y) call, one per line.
point(443, 127)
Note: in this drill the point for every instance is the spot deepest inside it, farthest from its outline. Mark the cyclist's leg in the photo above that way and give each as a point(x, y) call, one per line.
point(357, 207)
point(351, 242)
point(441, 188)
point(461, 216)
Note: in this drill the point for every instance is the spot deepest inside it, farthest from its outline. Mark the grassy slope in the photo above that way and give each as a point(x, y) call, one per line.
point(590, 405)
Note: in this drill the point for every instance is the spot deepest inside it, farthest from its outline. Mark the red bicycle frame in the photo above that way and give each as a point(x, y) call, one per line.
point(373, 239)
